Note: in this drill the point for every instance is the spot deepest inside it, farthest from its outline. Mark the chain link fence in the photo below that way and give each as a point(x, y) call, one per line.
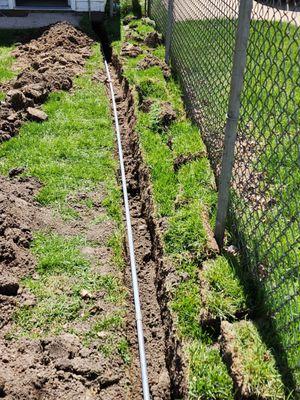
point(265, 196)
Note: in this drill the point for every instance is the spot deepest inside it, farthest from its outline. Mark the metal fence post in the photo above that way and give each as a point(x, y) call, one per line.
point(237, 80)
point(169, 30)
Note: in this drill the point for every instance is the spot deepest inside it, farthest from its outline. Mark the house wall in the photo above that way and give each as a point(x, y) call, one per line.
point(4, 4)
point(76, 5)
point(83, 5)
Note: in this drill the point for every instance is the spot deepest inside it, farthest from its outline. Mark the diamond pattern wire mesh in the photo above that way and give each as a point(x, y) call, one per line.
point(265, 195)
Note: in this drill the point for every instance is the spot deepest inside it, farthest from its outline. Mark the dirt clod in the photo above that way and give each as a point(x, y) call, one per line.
point(8, 286)
point(35, 114)
point(185, 159)
point(130, 50)
point(152, 61)
point(153, 39)
point(128, 19)
point(146, 105)
point(16, 171)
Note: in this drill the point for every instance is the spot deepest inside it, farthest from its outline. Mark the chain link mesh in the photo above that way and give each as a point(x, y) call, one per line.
point(264, 209)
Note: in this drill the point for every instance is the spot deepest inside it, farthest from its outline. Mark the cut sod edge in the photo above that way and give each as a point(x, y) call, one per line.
point(140, 190)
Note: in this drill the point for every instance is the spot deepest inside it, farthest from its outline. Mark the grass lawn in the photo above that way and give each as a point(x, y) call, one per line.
point(72, 152)
point(202, 55)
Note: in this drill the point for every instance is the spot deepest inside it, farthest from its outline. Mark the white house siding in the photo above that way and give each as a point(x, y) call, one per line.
point(4, 4)
point(76, 5)
point(83, 5)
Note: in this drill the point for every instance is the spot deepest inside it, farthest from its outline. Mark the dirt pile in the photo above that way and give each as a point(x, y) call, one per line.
point(57, 368)
point(48, 63)
point(17, 211)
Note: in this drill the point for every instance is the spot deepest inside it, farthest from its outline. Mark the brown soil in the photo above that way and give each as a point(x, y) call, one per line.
point(130, 50)
point(17, 211)
point(152, 61)
point(163, 350)
point(48, 63)
point(153, 39)
point(55, 367)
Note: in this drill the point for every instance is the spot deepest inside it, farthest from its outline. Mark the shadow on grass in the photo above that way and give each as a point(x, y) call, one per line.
point(257, 298)
point(9, 37)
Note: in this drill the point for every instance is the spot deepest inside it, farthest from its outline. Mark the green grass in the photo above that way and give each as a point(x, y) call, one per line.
point(6, 59)
point(208, 376)
point(224, 296)
point(73, 151)
point(260, 375)
point(62, 274)
point(202, 56)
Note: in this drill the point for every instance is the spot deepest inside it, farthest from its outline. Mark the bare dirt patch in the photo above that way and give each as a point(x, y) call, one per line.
point(60, 366)
point(17, 213)
point(48, 63)
point(57, 368)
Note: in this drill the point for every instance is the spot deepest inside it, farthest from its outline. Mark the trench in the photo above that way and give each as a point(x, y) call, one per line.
point(163, 349)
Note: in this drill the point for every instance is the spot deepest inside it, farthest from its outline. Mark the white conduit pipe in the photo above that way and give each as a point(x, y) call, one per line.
point(135, 286)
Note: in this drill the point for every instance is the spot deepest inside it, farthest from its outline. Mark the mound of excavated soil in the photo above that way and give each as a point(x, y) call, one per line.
point(17, 211)
point(48, 63)
point(57, 368)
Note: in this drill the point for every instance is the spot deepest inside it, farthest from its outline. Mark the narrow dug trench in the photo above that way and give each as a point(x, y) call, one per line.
point(163, 350)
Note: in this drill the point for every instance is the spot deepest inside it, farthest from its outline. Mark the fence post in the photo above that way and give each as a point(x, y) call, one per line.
point(237, 80)
point(169, 30)
point(111, 8)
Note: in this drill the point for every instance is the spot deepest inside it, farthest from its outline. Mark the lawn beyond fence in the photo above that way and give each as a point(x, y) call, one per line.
point(264, 204)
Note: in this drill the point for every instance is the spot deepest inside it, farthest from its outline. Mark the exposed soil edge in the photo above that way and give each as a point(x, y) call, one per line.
point(173, 348)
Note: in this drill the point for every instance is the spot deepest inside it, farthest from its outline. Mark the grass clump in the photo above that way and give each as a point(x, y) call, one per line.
point(186, 232)
point(253, 362)
point(62, 274)
point(224, 296)
point(187, 306)
point(208, 376)
point(58, 254)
